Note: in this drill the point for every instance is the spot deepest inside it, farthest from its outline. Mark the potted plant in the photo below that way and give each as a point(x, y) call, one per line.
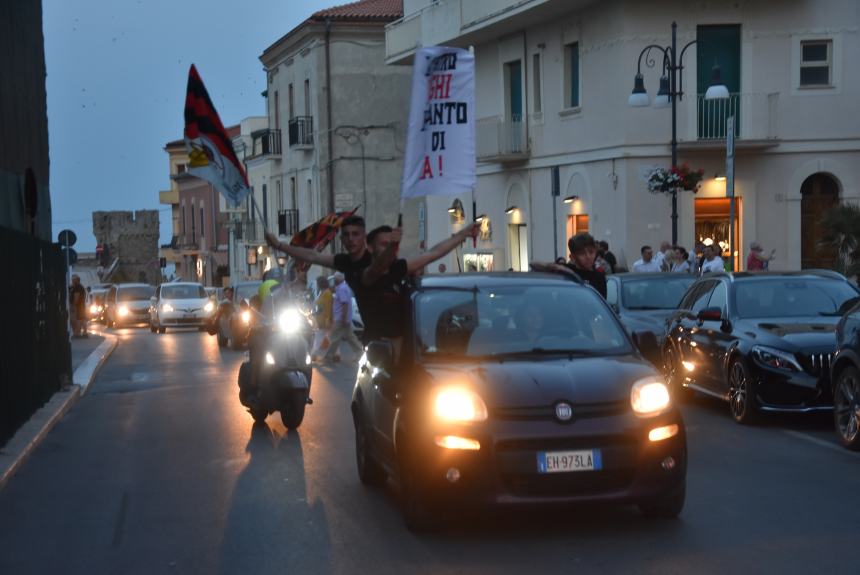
point(662, 180)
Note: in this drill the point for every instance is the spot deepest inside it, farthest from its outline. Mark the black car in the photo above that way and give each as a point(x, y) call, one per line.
point(845, 376)
point(517, 389)
point(760, 341)
point(644, 301)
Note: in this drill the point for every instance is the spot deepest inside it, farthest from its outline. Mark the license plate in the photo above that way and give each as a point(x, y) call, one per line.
point(189, 316)
point(566, 461)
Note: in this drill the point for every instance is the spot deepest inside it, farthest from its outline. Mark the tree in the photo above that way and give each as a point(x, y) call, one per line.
point(842, 232)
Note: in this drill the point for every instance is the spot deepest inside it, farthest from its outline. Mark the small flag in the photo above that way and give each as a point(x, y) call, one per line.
point(317, 235)
point(210, 150)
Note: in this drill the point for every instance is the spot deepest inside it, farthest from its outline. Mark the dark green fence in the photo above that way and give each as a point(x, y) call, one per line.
point(35, 356)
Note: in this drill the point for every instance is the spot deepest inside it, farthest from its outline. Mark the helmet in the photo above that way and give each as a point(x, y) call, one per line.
point(266, 288)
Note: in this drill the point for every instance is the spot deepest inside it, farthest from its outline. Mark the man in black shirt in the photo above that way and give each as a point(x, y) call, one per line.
point(355, 264)
point(583, 253)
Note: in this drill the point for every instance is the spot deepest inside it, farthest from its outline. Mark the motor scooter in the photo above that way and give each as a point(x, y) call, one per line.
point(280, 361)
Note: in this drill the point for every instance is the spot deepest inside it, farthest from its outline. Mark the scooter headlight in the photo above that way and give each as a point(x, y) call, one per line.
point(246, 317)
point(290, 321)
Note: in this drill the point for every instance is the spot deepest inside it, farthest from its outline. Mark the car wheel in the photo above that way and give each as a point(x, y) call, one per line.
point(846, 407)
point(369, 471)
point(673, 372)
point(741, 393)
point(417, 514)
point(293, 410)
point(666, 507)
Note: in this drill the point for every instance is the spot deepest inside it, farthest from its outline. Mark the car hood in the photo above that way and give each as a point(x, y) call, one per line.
point(802, 334)
point(519, 383)
point(185, 303)
point(136, 304)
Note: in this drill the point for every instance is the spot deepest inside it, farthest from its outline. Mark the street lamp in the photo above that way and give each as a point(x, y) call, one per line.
point(671, 90)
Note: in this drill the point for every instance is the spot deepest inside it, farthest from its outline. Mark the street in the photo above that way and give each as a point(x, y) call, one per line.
point(158, 469)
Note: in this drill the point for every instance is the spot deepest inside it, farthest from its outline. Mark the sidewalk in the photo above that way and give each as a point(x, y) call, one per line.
point(88, 355)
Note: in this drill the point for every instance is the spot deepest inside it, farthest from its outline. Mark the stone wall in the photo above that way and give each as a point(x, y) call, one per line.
point(133, 238)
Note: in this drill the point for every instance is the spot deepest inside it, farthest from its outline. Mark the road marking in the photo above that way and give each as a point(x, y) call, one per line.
point(815, 440)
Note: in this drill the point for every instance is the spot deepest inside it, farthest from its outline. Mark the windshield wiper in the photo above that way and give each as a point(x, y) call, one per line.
point(544, 351)
point(647, 307)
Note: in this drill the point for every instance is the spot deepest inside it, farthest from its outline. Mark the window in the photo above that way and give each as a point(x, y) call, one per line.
point(280, 192)
point(718, 298)
point(293, 194)
point(697, 300)
point(193, 222)
point(251, 210)
point(202, 228)
point(571, 75)
point(816, 61)
point(277, 111)
point(183, 219)
point(291, 102)
point(307, 97)
point(181, 168)
point(514, 81)
point(536, 71)
point(265, 206)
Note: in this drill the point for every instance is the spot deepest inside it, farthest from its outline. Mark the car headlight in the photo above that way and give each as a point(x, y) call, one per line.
point(208, 307)
point(775, 358)
point(270, 359)
point(94, 309)
point(123, 311)
point(290, 321)
point(650, 396)
point(166, 307)
point(246, 316)
point(459, 404)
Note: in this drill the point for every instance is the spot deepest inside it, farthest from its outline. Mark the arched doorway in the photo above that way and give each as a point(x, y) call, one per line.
point(818, 193)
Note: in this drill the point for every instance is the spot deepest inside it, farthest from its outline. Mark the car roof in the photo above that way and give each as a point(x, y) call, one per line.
point(752, 276)
point(132, 285)
point(649, 275)
point(492, 279)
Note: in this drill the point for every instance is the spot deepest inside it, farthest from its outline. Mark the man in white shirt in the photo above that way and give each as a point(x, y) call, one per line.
point(647, 263)
point(713, 263)
point(660, 257)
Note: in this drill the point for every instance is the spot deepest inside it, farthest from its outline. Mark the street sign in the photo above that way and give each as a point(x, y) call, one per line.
point(67, 238)
point(70, 255)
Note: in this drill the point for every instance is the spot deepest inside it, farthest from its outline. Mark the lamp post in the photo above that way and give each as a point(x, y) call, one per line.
point(671, 90)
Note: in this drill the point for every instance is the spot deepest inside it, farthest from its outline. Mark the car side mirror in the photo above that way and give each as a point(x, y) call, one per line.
point(710, 314)
point(648, 346)
point(380, 354)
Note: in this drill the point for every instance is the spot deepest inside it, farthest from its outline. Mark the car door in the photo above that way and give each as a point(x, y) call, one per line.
point(384, 405)
point(715, 339)
point(689, 339)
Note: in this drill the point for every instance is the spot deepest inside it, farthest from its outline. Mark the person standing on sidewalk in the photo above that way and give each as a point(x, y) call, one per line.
point(341, 330)
point(77, 305)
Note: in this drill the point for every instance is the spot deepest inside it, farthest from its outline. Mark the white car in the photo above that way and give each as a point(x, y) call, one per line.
point(181, 304)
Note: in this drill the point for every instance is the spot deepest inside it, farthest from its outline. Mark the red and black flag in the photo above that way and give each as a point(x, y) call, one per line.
point(210, 149)
point(317, 235)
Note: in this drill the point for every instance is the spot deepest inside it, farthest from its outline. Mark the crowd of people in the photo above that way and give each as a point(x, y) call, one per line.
point(702, 260)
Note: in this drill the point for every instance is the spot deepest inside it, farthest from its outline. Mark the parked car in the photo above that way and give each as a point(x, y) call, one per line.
point(845, 376)
point(96, 304)
point(644, 301)
point(128, 304)
point(759, 341)
point(181, 304)
point(232, 322)
point(516, 389)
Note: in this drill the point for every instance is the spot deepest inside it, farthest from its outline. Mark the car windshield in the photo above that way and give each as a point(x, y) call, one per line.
point(515, 320)
point(182, 292)
point(246, 291)
point(655, 293)
point(791, 297)
point(135, 293)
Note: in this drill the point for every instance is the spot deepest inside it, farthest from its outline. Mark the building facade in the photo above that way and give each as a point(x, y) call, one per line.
point(553, 79)
point(198, 246)
point(336, 121)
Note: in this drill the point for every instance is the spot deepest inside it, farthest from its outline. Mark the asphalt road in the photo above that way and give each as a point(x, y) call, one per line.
point(158, 469)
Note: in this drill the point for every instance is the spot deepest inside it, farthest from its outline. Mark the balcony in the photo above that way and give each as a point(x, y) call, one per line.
point(301, 132)
point(501, 139)
point(265, 143)
point(169, 197)
point(702, 123)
